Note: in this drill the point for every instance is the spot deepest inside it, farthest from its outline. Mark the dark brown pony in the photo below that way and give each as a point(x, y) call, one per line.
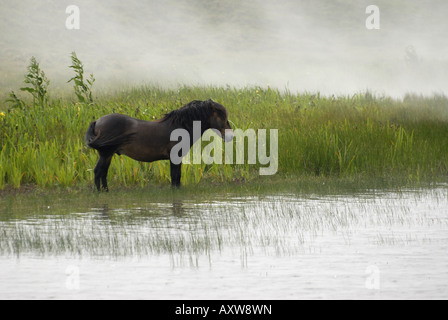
point(149, 141)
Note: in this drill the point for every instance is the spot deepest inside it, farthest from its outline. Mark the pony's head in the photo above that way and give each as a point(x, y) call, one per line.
point(211, 114)
point(219, 120)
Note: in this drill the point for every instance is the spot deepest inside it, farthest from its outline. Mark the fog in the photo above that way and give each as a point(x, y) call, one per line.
point(314, 46)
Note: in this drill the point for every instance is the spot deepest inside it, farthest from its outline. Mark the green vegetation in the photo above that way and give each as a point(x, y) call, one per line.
point(37, 86)
point(352, 137)
point(82, 89)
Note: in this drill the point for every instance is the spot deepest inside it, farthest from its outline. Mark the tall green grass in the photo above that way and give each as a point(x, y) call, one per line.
point(360, 136)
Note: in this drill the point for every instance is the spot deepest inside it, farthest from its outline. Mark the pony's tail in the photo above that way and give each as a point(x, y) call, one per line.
point(91, 137)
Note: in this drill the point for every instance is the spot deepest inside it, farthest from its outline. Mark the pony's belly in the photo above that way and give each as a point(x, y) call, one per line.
point(144, 154)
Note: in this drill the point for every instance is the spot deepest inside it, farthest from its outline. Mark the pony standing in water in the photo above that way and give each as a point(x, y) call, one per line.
point(150, 141)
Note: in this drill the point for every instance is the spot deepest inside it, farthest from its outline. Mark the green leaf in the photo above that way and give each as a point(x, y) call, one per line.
point(30, 90)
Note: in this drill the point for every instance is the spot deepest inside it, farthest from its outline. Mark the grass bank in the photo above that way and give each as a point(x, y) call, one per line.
point(352, 137)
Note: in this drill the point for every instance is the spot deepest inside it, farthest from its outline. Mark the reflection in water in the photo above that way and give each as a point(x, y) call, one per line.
point(306, 236)
point(284, 225)
point(104, 211)
point(178, 208)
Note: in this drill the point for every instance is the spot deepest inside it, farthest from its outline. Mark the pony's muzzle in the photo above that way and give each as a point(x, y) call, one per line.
point(228, 136)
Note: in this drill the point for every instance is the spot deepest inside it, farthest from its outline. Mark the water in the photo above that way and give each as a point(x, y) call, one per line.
point(371, 245)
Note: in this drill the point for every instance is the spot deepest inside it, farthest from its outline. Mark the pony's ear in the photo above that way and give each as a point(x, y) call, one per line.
point(210, 101)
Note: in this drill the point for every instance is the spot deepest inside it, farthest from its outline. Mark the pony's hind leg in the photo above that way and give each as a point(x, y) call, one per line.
point(101, 169)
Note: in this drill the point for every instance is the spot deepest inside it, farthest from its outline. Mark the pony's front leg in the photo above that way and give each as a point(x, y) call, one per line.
point(176, 171)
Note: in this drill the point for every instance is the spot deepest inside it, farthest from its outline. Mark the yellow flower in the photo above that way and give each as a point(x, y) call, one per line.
point(2, 115)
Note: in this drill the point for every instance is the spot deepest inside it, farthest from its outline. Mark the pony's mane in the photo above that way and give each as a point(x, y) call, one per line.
point(194, 111)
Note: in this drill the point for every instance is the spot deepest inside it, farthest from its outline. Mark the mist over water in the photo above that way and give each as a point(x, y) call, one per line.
point(315, 46)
